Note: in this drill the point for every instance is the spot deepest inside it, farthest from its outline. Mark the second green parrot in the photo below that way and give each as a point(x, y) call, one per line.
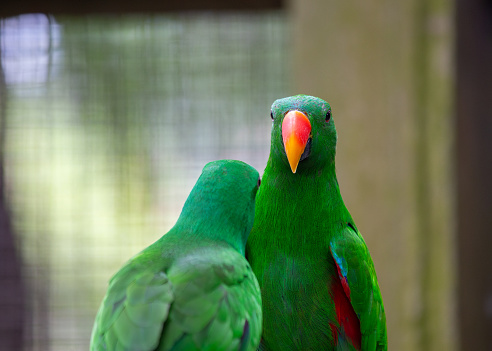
point(318, 283)
point(192, 289)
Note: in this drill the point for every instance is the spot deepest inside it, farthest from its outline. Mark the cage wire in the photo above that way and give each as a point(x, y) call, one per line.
point(108, 123)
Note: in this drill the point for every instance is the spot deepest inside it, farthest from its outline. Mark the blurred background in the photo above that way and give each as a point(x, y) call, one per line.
point(108, 112)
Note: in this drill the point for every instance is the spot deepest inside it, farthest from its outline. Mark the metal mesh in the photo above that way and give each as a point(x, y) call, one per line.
point(108, 123)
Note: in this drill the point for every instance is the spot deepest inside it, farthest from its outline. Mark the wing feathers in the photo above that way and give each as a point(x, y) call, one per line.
point(195, 305)
point(358, 279)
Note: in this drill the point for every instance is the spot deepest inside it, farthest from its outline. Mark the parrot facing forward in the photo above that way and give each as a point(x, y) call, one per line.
point(318, 283)
point(192, 289)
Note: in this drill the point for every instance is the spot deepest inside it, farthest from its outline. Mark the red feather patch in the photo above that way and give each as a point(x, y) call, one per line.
point(346, 317)
point(345, 286)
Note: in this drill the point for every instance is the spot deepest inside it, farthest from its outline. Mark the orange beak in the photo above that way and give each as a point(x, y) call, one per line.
point(296, 129)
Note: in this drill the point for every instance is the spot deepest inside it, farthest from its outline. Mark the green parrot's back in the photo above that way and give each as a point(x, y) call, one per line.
point(193, 288)
point(205, 295)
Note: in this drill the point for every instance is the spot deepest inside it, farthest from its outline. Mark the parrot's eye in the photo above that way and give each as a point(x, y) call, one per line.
point(259, 181)
point(328, 116)
point(271, 114)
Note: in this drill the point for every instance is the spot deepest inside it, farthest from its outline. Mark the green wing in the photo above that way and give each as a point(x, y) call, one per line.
point(356, 270)
point(217, 306)
point(206, 301)
point(133, 311)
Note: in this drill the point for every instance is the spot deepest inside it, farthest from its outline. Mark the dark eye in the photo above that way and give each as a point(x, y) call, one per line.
point(259, 181)
point(328, 116)
point(271, 114)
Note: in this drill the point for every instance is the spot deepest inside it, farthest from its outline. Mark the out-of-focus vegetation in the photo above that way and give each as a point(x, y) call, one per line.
point(109, 121)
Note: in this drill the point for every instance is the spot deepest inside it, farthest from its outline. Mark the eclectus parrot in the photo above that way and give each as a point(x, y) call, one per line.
point(318, 283)
point(192, 289)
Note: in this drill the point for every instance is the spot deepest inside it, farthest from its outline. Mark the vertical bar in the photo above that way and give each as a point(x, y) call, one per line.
point(11, 284)
point(474, 172)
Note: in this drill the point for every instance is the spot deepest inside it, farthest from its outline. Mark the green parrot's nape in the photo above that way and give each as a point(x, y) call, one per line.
point(318, 283)
point(192, 289)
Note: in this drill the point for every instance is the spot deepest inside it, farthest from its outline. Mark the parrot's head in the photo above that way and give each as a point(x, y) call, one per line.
point(222, 202)
point(303, 132)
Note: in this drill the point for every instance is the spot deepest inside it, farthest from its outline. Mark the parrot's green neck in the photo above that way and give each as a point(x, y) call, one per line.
point(300, 195)
point(207, 221)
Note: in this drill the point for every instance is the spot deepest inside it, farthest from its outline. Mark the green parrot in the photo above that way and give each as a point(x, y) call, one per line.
point(192, 289)
point(318, 283)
